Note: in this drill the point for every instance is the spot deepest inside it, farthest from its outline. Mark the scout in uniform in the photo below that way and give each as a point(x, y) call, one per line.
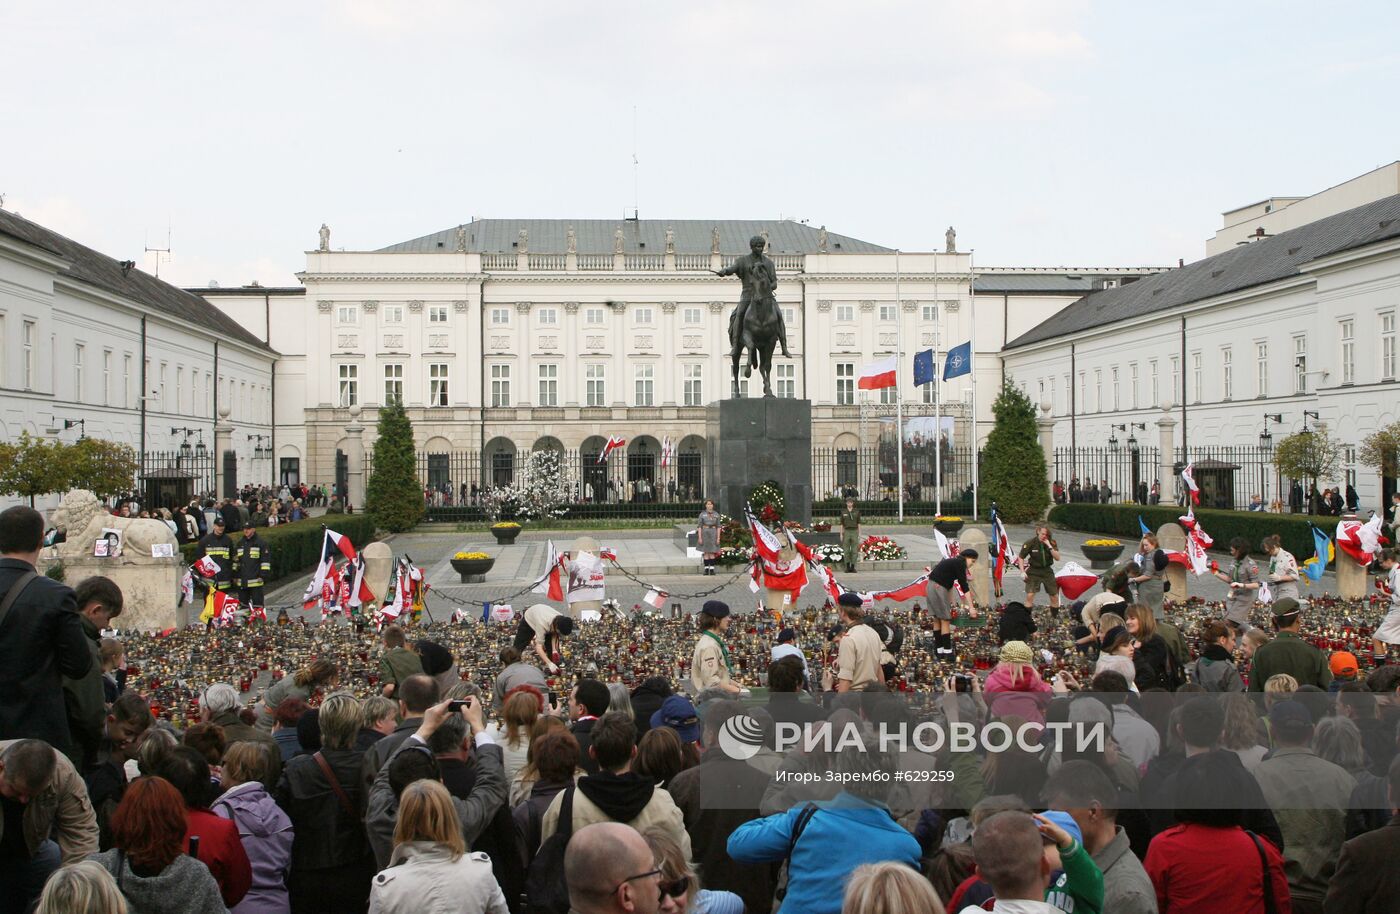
point(710, 667)
point(1040, 556)
point(850, 534)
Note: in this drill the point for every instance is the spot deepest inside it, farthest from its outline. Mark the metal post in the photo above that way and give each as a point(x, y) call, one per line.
point(972, 313)
point(937, 382)
point(898, 388)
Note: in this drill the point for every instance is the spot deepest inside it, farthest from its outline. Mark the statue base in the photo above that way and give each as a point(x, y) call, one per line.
point(150, 591)
point(750, 441)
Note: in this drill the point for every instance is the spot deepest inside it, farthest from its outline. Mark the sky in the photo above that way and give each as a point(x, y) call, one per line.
point(1048, 133)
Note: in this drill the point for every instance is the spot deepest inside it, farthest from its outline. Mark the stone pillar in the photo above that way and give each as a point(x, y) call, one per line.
point(1166, 443)
point(979, 573)
point(355, 460)
point(223, 443)
point(1172, 538)
point(1352, 580)
point(379, 564)
point(1046, 427)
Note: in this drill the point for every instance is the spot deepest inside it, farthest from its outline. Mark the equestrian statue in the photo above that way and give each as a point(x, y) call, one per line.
point(757, 324)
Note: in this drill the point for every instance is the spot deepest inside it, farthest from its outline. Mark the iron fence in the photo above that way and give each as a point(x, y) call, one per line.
point(168, 479)
point(1230, 477)
point(1108, 475)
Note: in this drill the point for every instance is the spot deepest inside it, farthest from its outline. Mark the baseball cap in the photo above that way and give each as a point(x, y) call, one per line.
point(1343, 663)
point(849, 598)
point(1290, 713)
point(218, 521)
point(717, 608)
point(678, 713)
point(1065, 821)
point(786, 635)
point(1286, 606)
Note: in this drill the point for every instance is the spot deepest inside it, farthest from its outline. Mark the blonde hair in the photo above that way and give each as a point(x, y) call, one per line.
point(426, 814)
point(249, 760)
point(1109, 621)
point(1256, 638)
point(340, 720)
point(1147, 623)
point(81, 888)
point(889, 888)
point(1279, 687)
point(519, 714)
point(1243, 729)
point(670, 859)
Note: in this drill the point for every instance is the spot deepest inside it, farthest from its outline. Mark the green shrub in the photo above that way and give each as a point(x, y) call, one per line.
point(393, 494)
point(1122, 520)
point(1013, 468)
point(297, 547)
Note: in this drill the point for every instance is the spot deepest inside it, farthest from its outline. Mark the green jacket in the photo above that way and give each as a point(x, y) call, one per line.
point(86, 703)
point(1309, 796)
point(1079, 890)
point(398, 664)
point(850, 520)
point(1288, 653)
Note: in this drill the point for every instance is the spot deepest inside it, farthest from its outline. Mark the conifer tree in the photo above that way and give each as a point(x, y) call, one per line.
point(1013, 466)
point(393, 494)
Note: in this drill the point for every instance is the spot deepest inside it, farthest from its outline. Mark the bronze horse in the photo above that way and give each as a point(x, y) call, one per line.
point(758, 334)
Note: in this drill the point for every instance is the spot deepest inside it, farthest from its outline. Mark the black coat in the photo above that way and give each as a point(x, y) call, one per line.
point(583, 732)
point(1150, 662)
point(646, 701)
point(41, 641)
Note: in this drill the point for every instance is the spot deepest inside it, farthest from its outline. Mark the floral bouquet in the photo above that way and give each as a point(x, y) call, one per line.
point(829, 554)
point(881, 549)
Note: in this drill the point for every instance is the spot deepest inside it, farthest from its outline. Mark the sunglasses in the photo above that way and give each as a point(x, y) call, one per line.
point(676, 888)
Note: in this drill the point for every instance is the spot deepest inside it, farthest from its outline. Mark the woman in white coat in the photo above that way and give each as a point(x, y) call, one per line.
point(430, 871)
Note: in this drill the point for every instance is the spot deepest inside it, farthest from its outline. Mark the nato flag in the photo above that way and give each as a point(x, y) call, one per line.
point(958, 361)
point(923, 367)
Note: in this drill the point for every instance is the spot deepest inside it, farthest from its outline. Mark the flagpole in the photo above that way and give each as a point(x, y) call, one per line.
point(937, 411)
point(898, 389)
point(972, 357)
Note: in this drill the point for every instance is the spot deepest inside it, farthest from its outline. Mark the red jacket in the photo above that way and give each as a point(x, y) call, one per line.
point(220, 849)
point(1201, 868)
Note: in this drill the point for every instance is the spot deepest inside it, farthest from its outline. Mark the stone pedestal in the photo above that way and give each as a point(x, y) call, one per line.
point(224, 483)
point(150, 590)
point(1166, 448)
point(1172, 538)
point(1352, 580)
point(979, 573)
point(379, 565)
point(1045, 427)
point(355, 460)
point(750, 441)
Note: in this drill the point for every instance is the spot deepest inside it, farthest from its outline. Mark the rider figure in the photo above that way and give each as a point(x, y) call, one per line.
point(757, 273)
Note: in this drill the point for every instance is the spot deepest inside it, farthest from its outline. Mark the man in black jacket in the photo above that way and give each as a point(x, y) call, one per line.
point(218, 546)
point(253, 565)
point(588, 702)
point(41, 637)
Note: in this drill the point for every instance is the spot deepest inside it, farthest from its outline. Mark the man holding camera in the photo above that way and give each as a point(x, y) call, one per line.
point(1039, 556)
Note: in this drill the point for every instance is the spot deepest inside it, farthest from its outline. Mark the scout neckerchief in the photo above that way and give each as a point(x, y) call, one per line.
point(724, 651)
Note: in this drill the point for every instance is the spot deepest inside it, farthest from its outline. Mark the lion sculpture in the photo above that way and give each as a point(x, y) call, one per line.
point(82, 517)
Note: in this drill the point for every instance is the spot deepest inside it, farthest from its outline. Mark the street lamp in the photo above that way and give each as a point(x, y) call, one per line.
point(1306, 414)
point(80, 424)
point(263, 447)
point(185, 449)
point(1266, 441)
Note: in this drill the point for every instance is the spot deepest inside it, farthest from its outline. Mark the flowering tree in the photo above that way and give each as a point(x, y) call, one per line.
point(543, 491)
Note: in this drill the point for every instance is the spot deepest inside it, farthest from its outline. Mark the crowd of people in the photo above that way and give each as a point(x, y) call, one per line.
point(555, 765)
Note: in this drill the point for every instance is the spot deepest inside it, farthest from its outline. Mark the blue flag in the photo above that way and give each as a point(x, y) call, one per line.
point(958, 361)
point(1143, 526)
point(1322, 551)
point(485, 612)
point(923, 367)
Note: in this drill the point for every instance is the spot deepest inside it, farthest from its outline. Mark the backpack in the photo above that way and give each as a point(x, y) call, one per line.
point(546, 890)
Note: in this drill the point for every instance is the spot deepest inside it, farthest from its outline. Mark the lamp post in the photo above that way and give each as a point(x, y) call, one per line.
point(80, 424)
point(1266, 449)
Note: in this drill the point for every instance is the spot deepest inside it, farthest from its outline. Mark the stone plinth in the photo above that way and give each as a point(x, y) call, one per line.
point(1172, 538)
point(150, 590)
point(750, 441)
point(379, 565)
point(979, 573)
point(1352, 579)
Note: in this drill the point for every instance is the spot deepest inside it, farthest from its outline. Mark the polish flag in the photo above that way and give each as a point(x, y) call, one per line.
point(668, 451)
point(551, 584)
point(911, 591)
point(1197, 542)
point(614, 442)
point(656, 598)
point(1074, 580)
point(878, 374)
point(225, 607)
point(1361, 541)
point(207, 566)
point(764, 541)
point(1188, 476)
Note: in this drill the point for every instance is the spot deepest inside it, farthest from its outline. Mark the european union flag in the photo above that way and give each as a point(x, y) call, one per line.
point(923, 367)
point(958, 361)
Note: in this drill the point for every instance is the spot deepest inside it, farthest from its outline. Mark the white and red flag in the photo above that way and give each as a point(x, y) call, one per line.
point(911, 591)
point(332, 544)
point(1197, 542)
point(551, 583)
point(877, 374)
point(764, 540)
point(656, 598)
point(206, 566)
point(1361, 541)
point(1188, 476)
point(668, 451)
point(1074, 580)
point(614, 442)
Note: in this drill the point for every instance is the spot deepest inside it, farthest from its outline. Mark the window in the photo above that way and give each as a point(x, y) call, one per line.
point(889, 395)
point(1117, 405)
point(1082, 405)
point(347, 314)
point(691, 315)
point(437, 384)
point(1261, 358)
point(1132, 385)
point(27, 354)
point(208, 393)
point(642, 317)
point(1388, 346)
point(164, 366)
point(549, 385)
point(789, 316)
point(107, 377)
point(845, 313)
point(1176, 381)
point(1300, 364)
point(786, 380)
point(349, 385)
point(549, 317)
point(595, 384)
point(1052, 392)
point(1227, 374)
point(845, 383)
point(437, 314)
point(929, 313)
point(593, 317)
point(393, 314)
point(1195, 377)
point(393, 383)
point(887, 313)
point(1069, 391)
point(1098, 390)
point(645, 378)
point(1347, 331)
point(126, 381)
point(693, 386)
point(1156, 395)
point(500, 317)
point(500, 385)
point(179, 388)
point(78, 373)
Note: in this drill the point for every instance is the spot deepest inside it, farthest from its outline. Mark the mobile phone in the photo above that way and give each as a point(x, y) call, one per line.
point(454, 707)
point(553, 700)
point(962, 682)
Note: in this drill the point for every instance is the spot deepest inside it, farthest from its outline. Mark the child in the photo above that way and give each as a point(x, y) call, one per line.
point(1389, 631)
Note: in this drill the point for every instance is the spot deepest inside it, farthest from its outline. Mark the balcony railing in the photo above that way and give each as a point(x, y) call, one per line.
point(629, 263)
point(498, 261)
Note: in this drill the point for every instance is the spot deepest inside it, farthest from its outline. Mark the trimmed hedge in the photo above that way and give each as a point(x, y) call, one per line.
point(952, 507)
point(297, 547)
point(659, 510)
point(1122, 520)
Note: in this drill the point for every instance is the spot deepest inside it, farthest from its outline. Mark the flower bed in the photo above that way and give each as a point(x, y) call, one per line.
point(734, 555)
point(1103, 542)
point(881, 549)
